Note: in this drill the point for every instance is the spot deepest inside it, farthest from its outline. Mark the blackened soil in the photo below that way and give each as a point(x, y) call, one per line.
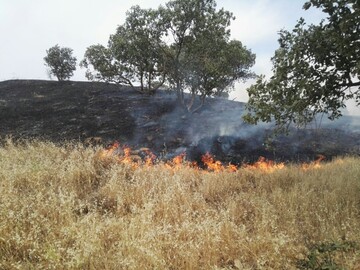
point(102, 113)
point(60, 111)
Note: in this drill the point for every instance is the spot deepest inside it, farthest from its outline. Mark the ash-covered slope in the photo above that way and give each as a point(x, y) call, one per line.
point(82, 111)
point(59, 111)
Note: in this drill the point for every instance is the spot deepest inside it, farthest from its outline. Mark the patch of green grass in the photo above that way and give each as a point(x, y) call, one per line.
point(328, 255)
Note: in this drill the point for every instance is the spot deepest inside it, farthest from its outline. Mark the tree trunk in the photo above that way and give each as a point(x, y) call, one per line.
point(142, 82)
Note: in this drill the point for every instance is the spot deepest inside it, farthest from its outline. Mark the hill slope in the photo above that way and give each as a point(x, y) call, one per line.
point(79, 111)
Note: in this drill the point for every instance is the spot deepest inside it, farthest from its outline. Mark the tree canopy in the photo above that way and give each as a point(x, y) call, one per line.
point(315, 69)
point(134, 53)
point(185, 44)
point(202, 59)
point(61, 62)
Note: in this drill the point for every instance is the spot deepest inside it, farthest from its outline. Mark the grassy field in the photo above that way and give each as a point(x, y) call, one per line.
point(69, 207)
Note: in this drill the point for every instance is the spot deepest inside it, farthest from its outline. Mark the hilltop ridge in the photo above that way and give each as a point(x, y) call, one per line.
point(94, 112)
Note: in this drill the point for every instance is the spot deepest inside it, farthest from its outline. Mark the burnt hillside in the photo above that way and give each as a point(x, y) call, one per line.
point(82, 111)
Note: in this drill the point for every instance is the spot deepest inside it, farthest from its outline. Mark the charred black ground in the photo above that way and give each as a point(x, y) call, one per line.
point(103, 113)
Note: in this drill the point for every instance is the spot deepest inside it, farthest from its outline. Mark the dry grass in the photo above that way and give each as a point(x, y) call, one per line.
point(65, 208)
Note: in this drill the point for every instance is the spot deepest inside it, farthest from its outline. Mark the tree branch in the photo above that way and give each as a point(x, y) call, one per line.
point(351, 84)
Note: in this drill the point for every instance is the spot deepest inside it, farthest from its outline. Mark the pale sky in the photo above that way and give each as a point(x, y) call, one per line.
point(29, 27)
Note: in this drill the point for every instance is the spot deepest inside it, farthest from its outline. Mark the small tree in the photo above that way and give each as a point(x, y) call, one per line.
point(61, 62)
point(134, 54)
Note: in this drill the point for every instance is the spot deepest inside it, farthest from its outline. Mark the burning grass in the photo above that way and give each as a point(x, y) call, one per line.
point(71, 207)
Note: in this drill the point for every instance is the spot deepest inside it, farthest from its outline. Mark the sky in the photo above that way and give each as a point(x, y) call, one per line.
point(29, 27)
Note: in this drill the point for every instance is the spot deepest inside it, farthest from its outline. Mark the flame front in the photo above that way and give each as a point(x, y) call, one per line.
point(127, 156)
point(265, 165)
point(150, 159)
point(109, 152)
point(313, 165)
point(216, 165)
point(177, 162)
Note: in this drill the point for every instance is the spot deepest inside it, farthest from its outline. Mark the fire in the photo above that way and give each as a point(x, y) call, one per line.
point(122, 154)
point(313, 165)
point(232, 168)
point(216, 165)
point(150, 159)
point(127, 156)
point(179, 162)
point(144, 156)
point(109, 152)
point(265, 165)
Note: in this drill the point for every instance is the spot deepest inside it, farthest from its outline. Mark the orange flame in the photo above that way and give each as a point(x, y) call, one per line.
point(126, 155)
point(122, 155)
point(179, 162)
point(150, 160)
point(265, 165)
point(216, 165)
point(313, 165)
point(232, 168)
point(109, 152)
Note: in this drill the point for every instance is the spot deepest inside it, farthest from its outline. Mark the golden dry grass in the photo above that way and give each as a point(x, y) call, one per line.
point(65, 208)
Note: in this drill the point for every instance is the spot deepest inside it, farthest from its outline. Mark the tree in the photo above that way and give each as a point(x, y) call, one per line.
point(185, 44)
point(61, 62)
point(214, 70)
point(316, 69)
point(104, 66)
point(134, 54)
point(201, 59)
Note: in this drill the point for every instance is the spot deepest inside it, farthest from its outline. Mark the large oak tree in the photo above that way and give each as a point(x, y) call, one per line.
point(316, 68)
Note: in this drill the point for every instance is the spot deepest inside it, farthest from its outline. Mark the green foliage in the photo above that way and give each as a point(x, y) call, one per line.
point(316, 69)
point(134, 53)
point(201, 58)
point(100, 58)
point(137, 44)
point(185, 44)
point(61, 62)
point(323, 256)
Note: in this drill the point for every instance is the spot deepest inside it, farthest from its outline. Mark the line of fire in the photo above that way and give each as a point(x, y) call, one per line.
point(144, 157)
